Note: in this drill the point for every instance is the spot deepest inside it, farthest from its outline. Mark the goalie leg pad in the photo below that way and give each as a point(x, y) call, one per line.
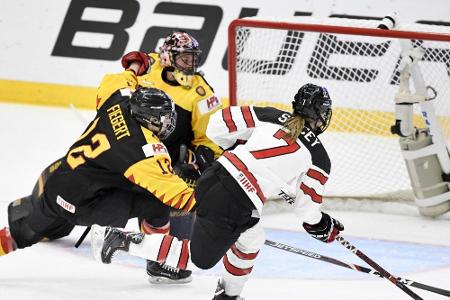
point(430, 189)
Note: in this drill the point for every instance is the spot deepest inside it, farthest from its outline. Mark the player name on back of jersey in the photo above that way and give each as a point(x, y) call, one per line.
point(118, 123)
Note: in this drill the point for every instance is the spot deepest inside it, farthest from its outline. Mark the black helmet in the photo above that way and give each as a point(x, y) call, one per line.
point(314, 104)
point(150, 106)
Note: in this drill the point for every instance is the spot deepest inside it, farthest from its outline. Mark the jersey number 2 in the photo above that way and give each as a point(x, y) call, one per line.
point(291, 147)
point(99, 144)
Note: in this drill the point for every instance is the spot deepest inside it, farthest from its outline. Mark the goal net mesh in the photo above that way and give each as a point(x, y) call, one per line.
point(360, 73)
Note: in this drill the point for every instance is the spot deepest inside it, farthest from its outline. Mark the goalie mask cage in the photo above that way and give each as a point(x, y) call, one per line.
point(269, 60)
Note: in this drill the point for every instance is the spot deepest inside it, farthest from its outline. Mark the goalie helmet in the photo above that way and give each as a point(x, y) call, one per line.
point(150, 106)
point(313, 103)
point(182, 52)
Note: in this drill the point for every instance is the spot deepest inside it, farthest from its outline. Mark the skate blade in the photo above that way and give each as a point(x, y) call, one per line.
point(164, 280)
point(97, 241)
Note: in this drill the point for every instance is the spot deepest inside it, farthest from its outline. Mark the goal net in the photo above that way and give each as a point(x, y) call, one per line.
point(270, 59)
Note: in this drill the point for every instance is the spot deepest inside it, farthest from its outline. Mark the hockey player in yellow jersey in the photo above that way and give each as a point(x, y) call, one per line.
point(118, 169)
point(174, 70)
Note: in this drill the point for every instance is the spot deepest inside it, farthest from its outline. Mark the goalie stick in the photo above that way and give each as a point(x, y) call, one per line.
point(354, 267)
point(377, 267)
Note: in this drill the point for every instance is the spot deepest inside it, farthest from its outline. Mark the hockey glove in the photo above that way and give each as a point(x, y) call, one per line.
point(188, 172)
point(326, 230)
point(137, 56)
point(205, 157)
point(186, 168)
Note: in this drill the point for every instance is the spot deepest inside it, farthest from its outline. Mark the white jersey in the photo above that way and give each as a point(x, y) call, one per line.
point(266, 164)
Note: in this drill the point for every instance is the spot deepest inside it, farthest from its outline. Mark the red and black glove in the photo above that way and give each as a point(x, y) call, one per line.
point(326, 230)
point(137, 56)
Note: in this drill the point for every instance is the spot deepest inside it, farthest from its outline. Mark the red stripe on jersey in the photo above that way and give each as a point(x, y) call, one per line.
point(164, 249)
point(178, 205)
point(317, 176)
point(242, 255)
point(184, 255)
point(248, 118)
point(311, 192)
point(189, 203)
point(228, 119)
point(235, 270)
point(238, 164)
point(168, 202)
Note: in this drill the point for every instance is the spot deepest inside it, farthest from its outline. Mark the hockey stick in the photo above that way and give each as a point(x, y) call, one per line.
point(85, 122)
point(83, 236)
point(354, 267)
point(377, 267)
point(79, 116)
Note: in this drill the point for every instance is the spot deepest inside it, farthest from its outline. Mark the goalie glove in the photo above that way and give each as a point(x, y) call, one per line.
point(139, 57)
point(186, 168)
point(326, 230)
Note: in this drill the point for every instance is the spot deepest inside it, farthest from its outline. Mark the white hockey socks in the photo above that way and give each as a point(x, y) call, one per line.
point(164, 249)
point(239, 260)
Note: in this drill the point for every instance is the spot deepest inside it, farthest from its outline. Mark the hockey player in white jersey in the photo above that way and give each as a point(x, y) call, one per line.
point(269, 154)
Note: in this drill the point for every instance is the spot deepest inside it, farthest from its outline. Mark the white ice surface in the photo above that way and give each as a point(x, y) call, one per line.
point(31, 137)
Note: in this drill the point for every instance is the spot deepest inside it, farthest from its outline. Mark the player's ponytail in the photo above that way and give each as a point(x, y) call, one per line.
point(294, 126)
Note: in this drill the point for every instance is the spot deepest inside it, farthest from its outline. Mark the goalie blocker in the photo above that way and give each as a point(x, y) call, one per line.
point(424, 150)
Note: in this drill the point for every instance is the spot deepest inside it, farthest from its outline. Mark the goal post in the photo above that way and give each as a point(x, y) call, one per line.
point(268, 60)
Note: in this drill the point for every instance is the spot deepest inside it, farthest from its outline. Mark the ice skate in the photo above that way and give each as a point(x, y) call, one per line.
point(106, 241)
point(164, 274)
point(220, 293)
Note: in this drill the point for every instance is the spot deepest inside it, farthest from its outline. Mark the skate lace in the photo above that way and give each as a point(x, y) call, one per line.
point(170, 268)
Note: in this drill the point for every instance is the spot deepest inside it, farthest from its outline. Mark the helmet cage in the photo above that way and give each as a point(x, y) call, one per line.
point(165, 122)
point(153, 107)
point(186, 61)
point(182, 52)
